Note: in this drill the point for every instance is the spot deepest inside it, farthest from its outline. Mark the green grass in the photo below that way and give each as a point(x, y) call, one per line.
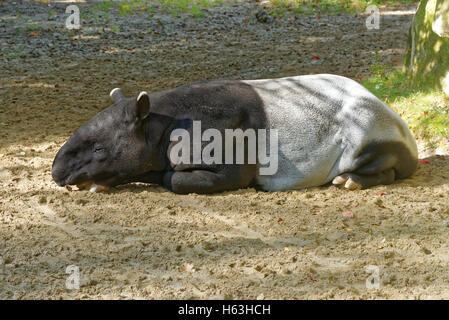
point(195, 8)
point(104, 6)
point(51, 14)
point(115, 28)
point(281, 7)
point(426, 110)
point(12, 53)
point(173, 7)
point(33, 27)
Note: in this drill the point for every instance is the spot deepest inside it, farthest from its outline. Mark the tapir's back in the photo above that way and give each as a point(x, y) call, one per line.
point(323, 123)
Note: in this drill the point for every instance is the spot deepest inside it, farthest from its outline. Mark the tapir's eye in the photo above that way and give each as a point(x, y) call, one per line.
point(99, 153)
point(98, 148)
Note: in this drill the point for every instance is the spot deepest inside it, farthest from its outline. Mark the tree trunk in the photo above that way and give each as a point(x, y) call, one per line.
point(427, 59)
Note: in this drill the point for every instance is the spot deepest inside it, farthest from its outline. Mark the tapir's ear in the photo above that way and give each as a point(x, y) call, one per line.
point(116, 94)
point(143, 105)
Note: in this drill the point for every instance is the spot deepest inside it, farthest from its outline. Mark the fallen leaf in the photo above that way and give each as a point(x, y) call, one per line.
point(280, 220)
point(288, 69)
point(34, 33)
point(311, 277)
point(381, 193)
point(245, 21)
point(348, 213)
point(348, 229)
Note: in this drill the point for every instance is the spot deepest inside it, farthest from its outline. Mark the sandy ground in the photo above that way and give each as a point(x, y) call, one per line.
point(141, 241)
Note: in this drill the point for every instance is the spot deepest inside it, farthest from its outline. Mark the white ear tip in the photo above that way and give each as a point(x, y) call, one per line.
point(143, 93)
point(113, 91)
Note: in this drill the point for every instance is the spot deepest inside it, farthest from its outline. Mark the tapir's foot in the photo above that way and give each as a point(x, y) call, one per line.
point(92, 186)
point(98, 188)
point(353, 181)
point(347, 180)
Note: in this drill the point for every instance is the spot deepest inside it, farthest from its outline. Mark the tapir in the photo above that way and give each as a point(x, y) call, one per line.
point(330, 130)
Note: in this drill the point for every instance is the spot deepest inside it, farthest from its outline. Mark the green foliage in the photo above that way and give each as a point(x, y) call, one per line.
point(172, 7)
point(104, 6)
point(426, 59)
point(33, 27)
point(196, 11)
point(115, 28)
point(275, 7)
point(51, 14)
point(280, 7)
point(426, 110)
point(14, 54)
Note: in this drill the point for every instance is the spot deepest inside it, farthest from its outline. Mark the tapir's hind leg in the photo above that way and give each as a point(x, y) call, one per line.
point(379, 163)
point(354, 181)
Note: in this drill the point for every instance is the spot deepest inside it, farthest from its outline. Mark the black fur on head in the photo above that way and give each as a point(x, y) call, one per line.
point(111, 147)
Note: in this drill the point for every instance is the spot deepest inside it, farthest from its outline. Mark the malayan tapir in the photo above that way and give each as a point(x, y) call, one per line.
point(330, 129)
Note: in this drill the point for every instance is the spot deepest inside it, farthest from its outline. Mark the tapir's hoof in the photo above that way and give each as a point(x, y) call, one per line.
point(97, 188)
point(339, 180)
point(352, 185)
point(91, 186)
point(347, 181)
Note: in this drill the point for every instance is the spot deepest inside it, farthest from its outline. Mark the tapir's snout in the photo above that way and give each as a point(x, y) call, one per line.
point(73, 164)
point(58, 170)
point(65, 163)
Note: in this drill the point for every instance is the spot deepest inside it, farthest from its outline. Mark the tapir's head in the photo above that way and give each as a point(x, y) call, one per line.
point(110, 148)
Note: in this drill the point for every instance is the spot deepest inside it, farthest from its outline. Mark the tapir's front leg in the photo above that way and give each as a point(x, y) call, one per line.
point(204, 181)
point(154, 177)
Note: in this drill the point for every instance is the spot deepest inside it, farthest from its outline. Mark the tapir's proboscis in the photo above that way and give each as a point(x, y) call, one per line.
point(329, 129)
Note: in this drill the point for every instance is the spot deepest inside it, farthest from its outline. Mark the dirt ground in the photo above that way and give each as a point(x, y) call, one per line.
point(141, 241)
